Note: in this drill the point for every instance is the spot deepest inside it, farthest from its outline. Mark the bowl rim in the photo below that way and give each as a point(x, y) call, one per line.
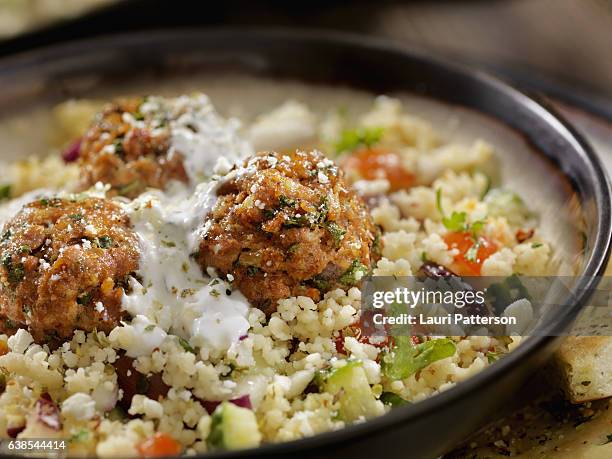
point(594, 265)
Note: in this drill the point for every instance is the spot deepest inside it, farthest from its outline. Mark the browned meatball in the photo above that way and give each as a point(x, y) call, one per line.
point(129, 151)
point(288, 225)
point(63, 266)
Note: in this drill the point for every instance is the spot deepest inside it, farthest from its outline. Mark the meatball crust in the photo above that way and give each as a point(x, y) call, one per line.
point(129, 151)
point(63, 266)
point(287, 225)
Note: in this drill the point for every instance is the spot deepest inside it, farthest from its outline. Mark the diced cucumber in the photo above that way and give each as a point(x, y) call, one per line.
point(503, 203)
point(350, 385)
point(233, 427)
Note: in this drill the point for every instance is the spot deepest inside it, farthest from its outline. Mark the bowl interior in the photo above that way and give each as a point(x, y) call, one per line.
point(247, 73)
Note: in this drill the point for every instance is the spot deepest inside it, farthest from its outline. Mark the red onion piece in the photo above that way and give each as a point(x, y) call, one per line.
point(14, 431)
point(72, 152)
point(244, 402)
point(211, 405)
point(48, 413)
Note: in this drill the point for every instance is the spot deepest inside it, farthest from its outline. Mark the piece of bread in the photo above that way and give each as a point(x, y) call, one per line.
point(584, 364)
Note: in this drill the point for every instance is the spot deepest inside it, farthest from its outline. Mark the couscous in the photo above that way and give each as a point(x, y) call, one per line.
point(207, 296)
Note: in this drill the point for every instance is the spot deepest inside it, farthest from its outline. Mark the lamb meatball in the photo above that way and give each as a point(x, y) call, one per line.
point(287, 225)
point(129, 150)
point(63, 266)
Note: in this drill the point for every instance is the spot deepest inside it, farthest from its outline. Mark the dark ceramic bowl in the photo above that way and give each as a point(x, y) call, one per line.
point(424, 429)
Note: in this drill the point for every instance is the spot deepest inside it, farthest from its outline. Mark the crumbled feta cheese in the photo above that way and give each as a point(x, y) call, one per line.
point(20, 341)
point(79, 406)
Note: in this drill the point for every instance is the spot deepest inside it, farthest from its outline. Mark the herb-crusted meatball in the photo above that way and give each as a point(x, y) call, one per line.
point(129, 148)
point(63, 265)
point(288, 225)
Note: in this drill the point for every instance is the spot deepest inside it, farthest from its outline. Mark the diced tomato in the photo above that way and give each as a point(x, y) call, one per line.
point(159, 445)
point(522, 235)
point(377, 163)
point(472, 252)
point(3, 348)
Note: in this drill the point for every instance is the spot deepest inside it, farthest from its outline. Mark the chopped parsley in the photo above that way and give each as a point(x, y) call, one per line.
point(493, 356)
point(389, 398)
point(472, 252)
point(252, 271)
point(25, 249)
point(149, 328)
point(456, 222)
point(76, 217)
point(84, 299)
point(5, 192)
point(80, 436)
point(7, 235)
point(118, 144)
point(168, 243)
point(16, 271)
point(215, 293)
point(297, 221)
point(284, 201)
point(185, 345)
point(320, 283)
point(7, 260)
point(352, 139)
point(406, 358)
point(336, 231)
point(354, 274)
point(105, 242)
point(535, 245)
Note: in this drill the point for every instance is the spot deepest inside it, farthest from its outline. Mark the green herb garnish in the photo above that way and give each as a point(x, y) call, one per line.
point(7, 235)
point(354, 274)
point(118, 144)
point(352, 139)
point(406, 358)
point(336, 231)
point(84, 299)
point(81, 435)
point(389, 398)
point(297, 221)
point(472, 253)
point(456, 222)
point(185, 345)
point(5, 192)
point(105, 242)
point(284, 201)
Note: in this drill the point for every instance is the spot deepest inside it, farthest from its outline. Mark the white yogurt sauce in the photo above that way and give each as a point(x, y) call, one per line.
point(199, 133)
point(171, 295)
point(172, 292)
